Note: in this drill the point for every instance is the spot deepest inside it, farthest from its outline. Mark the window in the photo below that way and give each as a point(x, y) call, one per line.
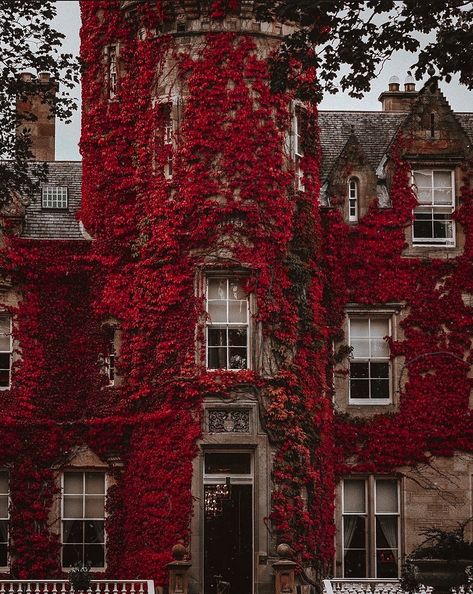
point(370, 528)
point(83, 518)
point(353, 200)
point(370, 367)
point(227, 324)
point(433, 222)
point(112, 71)
point(109, 360)
point(163, 140)
point(4, 514)
point(298, 150)
point(5, 350)
point(54, 197)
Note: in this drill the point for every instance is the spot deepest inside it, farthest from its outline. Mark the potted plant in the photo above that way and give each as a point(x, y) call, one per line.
point(441, 559)
point(79, 578)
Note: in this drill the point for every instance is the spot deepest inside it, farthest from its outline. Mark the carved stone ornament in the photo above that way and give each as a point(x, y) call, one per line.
point(229, 421)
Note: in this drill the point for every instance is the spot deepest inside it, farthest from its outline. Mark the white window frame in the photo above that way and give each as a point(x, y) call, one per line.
point(298, 152)
point(111, 355)
point(83, 471)
point(54, 198)
point(7, 519)
point(353, 199)
point(112, 70)
point(444, 208)
point(227, 325)
point(363, 316)
point(371, 514)
point(10, 351)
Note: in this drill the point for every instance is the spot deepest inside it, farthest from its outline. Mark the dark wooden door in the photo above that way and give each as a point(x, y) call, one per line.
point(228, 542)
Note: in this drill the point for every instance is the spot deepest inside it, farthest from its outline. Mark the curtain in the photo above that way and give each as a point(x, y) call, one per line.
point(388, 526)
point(349, 527)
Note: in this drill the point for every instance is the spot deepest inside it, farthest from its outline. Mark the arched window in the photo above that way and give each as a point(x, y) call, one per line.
point(353, 199)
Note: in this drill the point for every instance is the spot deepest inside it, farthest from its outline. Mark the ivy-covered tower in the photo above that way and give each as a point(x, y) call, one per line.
point(201, 193)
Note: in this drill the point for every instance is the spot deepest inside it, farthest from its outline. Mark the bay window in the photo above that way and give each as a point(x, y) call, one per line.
point(370, 366)
point(83, 519)
point(370, 527)
point(227, 324)
point(433, 221)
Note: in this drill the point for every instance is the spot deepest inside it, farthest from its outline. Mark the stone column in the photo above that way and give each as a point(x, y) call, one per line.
point(284, 571)
point(178, 568)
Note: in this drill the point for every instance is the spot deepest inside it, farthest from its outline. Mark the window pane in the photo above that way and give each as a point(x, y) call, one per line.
point(3, 482)
point(217, 311)
point(71, 555)
point(238, 312)
point(442, 179)
point(359, 388)
point(217, 336)
point(359, 370)
point(359, 328)
point(354, 532)
point(379, 370)
point(355, 564)
point(379, 328)
point(4, 378)
point(361, 348)
point(237, 337)
point(379, 388)
point(217, 288)
point(3, 507)
point(354, 496)
point(5, 344)
point(94, 531)
point(379, 348)
point(386, 564)
point(217, 358)
point(73, 483)
point(424, 196)
point(94, 506)
point(94, 555)
point(386, 496)
point(95, 483)
point(228, 463)
point(443, 196)
point(73, 506)
point(442, 226)
point(237, 358)
point(235, 291)
point(386, 532)
point(4, 324)
point(3, 531)
point(423, 178)
point(423, 227)
point(73, 531)
point(3, 555)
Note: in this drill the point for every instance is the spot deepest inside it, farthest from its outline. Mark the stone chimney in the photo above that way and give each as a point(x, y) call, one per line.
point(396, 100)
point(34, 113)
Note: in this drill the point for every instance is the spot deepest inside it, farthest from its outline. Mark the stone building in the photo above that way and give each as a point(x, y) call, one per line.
point(260, 317)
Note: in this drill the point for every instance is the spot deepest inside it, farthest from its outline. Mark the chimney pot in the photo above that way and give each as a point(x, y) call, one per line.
point(44, 77)
point(409, 84)
point(26, 76)
point(393, 84)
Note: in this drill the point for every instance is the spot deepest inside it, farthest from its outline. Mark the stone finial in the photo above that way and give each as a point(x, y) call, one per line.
point(284, 551)
point(179, 551)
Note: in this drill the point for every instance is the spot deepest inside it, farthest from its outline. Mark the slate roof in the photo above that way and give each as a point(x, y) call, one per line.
point(57, 224)
point(374, 131)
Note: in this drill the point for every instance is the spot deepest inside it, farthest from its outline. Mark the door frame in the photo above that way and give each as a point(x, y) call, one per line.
point(235, 479)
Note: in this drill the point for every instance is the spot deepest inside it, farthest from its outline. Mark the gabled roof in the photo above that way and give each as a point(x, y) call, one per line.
point(373, 129)
point(56, 224)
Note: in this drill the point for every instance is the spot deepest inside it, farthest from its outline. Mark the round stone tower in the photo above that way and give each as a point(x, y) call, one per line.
point(200, 190)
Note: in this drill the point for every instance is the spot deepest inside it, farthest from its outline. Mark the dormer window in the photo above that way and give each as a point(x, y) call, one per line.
point(433, 220)
point(54, 197)
point(353, 200)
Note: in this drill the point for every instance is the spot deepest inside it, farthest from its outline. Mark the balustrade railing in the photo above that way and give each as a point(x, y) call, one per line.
point(367, 586)
point(64, 587)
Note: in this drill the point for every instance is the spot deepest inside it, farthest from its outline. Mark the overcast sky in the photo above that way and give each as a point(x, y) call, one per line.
point(68, 21)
